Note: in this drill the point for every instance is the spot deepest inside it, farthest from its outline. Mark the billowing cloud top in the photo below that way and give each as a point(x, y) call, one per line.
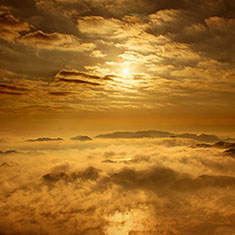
point(110, 187)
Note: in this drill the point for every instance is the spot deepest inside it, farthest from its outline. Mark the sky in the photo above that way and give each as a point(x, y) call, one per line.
point(87, 66)
point(73, 73)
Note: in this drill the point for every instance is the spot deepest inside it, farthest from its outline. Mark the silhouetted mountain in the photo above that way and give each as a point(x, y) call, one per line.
point(187, 136)
point(81, 138)
point(44, 139)
point(228, 139)
point(159, 134)
point(8, 152)
point(220, 144)
point(202, 137)
point(138, 134)
point(8, 164)
point(207, 138)
point(203, 145)
point(230, 152)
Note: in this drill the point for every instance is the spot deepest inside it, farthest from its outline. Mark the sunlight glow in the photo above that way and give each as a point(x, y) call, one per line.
point(126, 73)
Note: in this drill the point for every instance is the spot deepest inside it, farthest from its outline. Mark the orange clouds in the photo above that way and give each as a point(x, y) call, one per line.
point(11, 27)
point(72, 187)
point(55, 41)
point(70, 55)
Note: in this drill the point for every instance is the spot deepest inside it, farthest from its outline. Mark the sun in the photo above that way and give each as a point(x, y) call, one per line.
point(126, 73)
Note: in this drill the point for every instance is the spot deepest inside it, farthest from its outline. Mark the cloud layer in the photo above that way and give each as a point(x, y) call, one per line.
point(133, 186)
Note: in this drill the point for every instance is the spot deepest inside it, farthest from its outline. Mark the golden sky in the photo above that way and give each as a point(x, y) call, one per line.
point(102, 108)
point(120, 64)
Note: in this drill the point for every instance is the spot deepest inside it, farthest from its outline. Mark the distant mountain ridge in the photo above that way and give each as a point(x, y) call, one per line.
point(158, 134)
point(220, 144)
point(137, 134)
point(8, 152)
point(44, 139)
point(81, 138)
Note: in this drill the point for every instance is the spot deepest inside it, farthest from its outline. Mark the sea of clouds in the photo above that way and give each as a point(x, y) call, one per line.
point(116, 187)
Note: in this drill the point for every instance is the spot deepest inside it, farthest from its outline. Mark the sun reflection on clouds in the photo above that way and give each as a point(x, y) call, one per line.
point(133, 221)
